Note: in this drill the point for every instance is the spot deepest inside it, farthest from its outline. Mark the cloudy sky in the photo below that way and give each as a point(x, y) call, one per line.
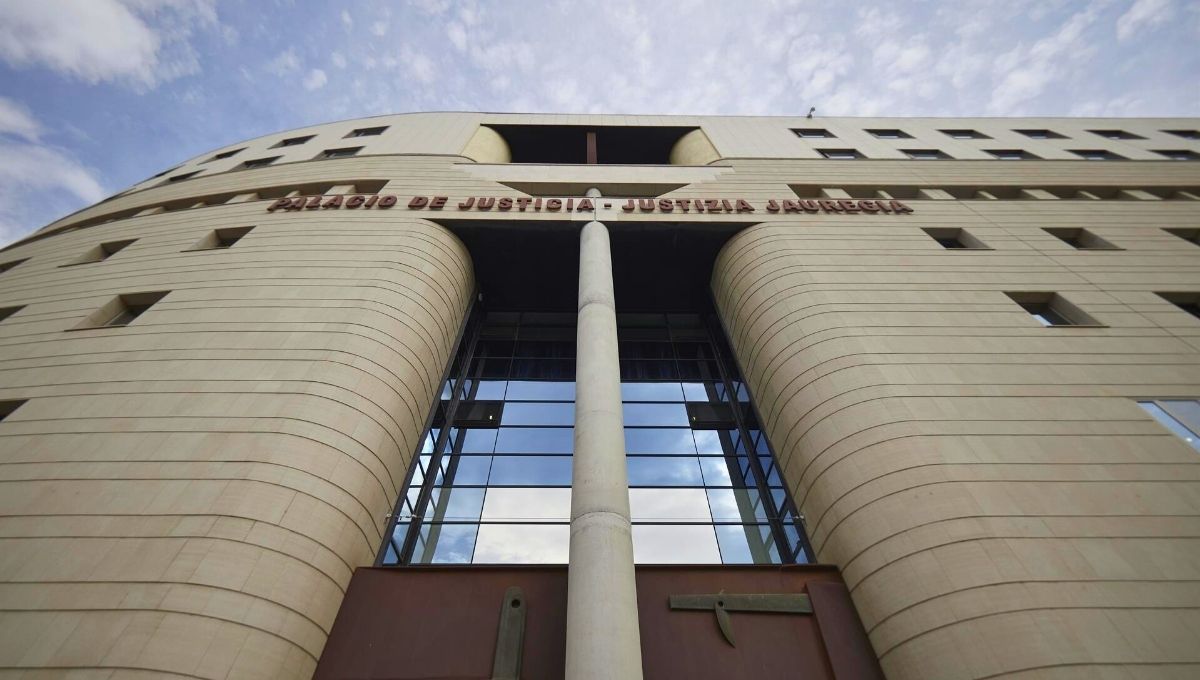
point(98, 94)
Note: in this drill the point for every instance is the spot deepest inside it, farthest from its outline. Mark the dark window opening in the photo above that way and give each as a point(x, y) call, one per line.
point(953, 238)
point(1041, 134)
point(1097, 155)
point(221, 238)
point(584, 145)
point(7, 407)
point(122, 310)
point(1051, 309)
point(1186, 134)
point(890, 134)
point(1012, 154)
point(5, 266)
point(1115, 134)
point(1189, 235)
point(226, 154)
point(293, 141)
point(840, 154)
point(6, 312)
point(1080, 239)
point(1188, 302)
point(964, 134)
point(101, 252)
point(1180, 154)
point(814, 133)
point(367, 132)
point(259, 162)
point(344, 152)
point(926, 154)
point(178, 178)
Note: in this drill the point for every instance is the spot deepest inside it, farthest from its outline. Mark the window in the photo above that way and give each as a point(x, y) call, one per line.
point(890, 134)
point(9, 405)
point(1186, 134)
point(1051, 309)
point(1080, 239)
point(813, 133)
point(339, 153)
point(926, 154)
point(1097, 155)
point(177, 178)
point(122, 310)
point(293, 141)
point(226, 154)
point(964, 134)
point(166, 171)
point(101, 252)
point(6, 312)
point(1041, 134)
point(1012, 154)
point(1180, 155)
point(1180, 416)
point(5, 266)
point(1188, 302)
point(592, 145)
point(368, 132)
point(1191, 235)
point(840, 154)
point(1115, 134)
point(953, 238)
point(221, 238)
point(259, 162)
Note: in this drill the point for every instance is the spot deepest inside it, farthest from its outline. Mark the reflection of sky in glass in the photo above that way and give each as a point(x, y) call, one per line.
point(446, 544)
point(675, 544)
point(539, 413)
point(669, 505)
point(527, 504)
point(708, 442)
point(535, 440)
point(735, 505)
point(664, 471)
point(454, 504)
point(531, 471)
point(659, 440)
point(534, 390)
point(471, 470)
point(665, 391)
point(1170, 423)
point(479, 441)
point(523, 544)
point(655, 414)
point(746, 543)
point(716, 471)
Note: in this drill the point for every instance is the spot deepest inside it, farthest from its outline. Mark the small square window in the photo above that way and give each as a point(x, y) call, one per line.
point(954, 238)
point(1012, 154)
point(840, 154)
point(1190, 235)
point(122, 310)
point(1188, 302)
point(340, 153)
point(1097, 155)
point(259, 162)
point(221, 238)
point(5, 266)
point(168, 170)
point(813, 133)
point(964, 134)
point(1180, 155)
point(6, 312)
point(9, 405)
point(226, 154)
point(101, 252)
point(1186, 134)
point(926, 154)
point(1051, 309)
point(178, 178)
point(1080, 239)
point(293, 141)
point(890, 134)
point(1041, 134)
point(368, 132)
point(1115, 134)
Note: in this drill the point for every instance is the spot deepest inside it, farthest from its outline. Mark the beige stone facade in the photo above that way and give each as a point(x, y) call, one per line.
point(188, 494)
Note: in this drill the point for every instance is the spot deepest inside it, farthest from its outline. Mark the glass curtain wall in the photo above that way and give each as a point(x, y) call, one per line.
point(491, 484)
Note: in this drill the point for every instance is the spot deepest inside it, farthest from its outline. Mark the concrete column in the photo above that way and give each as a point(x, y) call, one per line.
point(603, 642)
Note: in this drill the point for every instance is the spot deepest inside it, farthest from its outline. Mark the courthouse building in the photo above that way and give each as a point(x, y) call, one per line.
point(465, 395)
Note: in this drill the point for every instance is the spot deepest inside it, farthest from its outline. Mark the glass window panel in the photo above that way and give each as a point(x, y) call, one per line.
point(716, 471)
point(455, 504)
point(447, 390)
point(479, 440)
point(736, 505)
point(1170, 423)
point(548, 349)
point(648, 370)
point(495, 347)
point(531, 471)
point(535, 440)
point(698, 370)
point(779, 500)
point(742, 394)
point(698, 391)
point(543, 369)
point(539, 413)
point(633, 349)
point(664, 471)
point(527, 505)
point(693, 350)
point(484, 369)
point(708, 442)
point(490, 390)
point(655, 414)
point(675, 544)
point(523, 544)
point(1186, 411)
point(669, 505)
point(469, 470)
point(536, 390)
point(659, 440)
point(445, 544)
point(651, 391)
point(744, 544)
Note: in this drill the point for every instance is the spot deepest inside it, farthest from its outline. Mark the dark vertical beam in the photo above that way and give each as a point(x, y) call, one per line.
point(591, 149)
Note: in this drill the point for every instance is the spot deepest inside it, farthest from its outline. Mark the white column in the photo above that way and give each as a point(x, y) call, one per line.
point(603, 642)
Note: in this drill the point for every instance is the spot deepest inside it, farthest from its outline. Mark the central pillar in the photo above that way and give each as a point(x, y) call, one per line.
point(603, 642)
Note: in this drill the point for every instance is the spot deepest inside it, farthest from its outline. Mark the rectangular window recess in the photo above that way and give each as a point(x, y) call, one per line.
point(890, 134)
point(178, 178)
point(1187, 301)
point(840, 154)
point(121, 310)
point(707, 415)
point(1041, 134)
point(1179, 154)
point(292, 141)
point(343, 152)
point(473, 413)
point(221, 238)
point(6, 312)
point(813, 133)
point(259, 162)
point(1190, 235)
point(1097, 155)
point(1012, 154)
point(100, 252)
point(225, 154)
point(955, 238)
point(964, 134)
point(1115, 134)
point(926, 154)
point(591, 145)
point(1186, 134)
point(1080, 239)
point(1180, 416)
point(7, 407)
point(5, 266)
point(367, 132)
point(1051, 309)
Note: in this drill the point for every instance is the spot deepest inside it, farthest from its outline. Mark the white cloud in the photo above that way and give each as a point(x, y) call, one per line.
point(457, 35)
point(347, 20)
point(1143, 14)
point(16, 120)
point(32, 179)
point(337, 59)
point(379, 28)
point(284, 63)
point(315, 79)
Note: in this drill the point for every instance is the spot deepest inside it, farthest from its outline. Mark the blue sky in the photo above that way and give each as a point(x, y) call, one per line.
point(98, 94)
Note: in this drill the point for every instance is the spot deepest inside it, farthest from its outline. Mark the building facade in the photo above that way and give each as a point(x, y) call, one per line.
point(946, 370)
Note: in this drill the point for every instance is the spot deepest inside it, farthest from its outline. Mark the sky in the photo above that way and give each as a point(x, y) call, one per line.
point(96, 95)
